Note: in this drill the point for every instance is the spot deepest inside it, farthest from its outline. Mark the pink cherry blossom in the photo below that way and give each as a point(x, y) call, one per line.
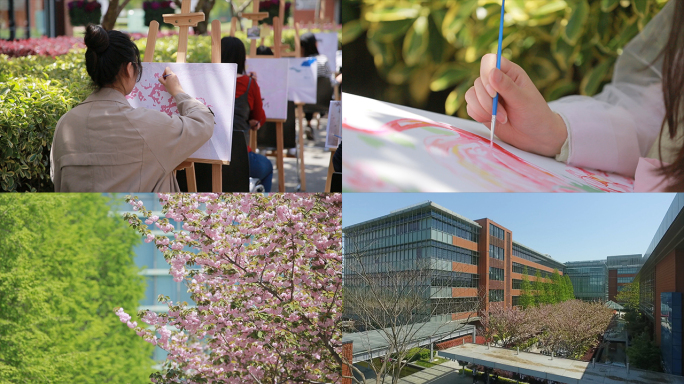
point(265, 273)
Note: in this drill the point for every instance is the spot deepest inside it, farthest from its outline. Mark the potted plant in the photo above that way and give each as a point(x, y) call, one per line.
point(273, 9)
point(82, 12)
point(154, 10)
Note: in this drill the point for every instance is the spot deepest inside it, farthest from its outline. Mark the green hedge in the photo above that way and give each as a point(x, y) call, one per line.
point(566, 46)
point(35, 91)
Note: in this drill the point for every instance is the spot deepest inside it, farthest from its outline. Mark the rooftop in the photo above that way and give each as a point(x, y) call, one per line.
point(543, 255)
point(556, 369)
point(410, 208)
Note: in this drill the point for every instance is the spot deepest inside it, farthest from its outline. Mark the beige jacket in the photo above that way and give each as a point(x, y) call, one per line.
point(105, 145)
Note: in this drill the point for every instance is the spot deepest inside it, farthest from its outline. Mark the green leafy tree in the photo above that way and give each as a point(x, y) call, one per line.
point(556, 289)
point(540, 296)
point(629, 296)
point(643, 354)
point(526, 299)
point(569, 290)
point(65, 264)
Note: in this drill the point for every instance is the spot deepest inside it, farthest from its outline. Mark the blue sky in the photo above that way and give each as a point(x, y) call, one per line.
point(567, 226)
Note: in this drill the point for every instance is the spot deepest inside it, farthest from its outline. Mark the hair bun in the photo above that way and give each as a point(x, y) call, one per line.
point(96, 38)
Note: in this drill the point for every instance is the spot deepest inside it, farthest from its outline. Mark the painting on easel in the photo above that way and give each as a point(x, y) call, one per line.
point(302, 76)
point(272, 75)
point(211, 84)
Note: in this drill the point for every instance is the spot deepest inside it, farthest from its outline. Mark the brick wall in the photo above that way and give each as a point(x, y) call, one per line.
point(458, 341)
point(348, 354)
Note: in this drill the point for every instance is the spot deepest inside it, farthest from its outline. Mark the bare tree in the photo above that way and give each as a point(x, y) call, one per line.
point(401, 303)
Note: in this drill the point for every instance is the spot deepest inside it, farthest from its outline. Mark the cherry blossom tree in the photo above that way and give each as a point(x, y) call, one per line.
point(265, 274)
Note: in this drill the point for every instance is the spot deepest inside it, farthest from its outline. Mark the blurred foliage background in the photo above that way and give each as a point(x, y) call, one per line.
point(426, 54)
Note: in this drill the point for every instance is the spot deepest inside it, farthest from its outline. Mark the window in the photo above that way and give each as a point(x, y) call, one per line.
point(517, 284)
point(496, 252)
point(496, 274)
point(496, 231)
point(623, 280)
point(515, 301)
point(627, 271)
point(496, 295)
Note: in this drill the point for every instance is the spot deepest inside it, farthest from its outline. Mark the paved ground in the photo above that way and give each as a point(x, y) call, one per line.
point(316, 160)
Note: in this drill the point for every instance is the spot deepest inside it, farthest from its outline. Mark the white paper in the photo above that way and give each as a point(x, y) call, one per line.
point(301, 80)
point(334, 129)
point(272, 77)
point(327, 46)
point(396, 148)
point(211, 84)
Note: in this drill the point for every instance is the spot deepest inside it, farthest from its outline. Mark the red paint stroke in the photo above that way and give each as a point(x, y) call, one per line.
point(602, 180)
point(361, 178)
point(500, 169)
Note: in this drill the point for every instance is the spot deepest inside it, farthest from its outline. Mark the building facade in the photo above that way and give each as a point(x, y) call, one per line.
point(461, 260)
point(662, 276)
point(589, 279)
point(621, 272)
point(154, 268)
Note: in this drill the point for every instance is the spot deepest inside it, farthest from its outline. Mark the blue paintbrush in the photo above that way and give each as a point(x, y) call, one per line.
point(498, 66)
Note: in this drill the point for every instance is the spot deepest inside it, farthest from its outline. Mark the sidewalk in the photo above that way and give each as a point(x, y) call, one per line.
point(316, 160)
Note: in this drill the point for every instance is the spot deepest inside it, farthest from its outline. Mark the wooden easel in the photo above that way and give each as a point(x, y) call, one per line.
point(184, 21)
point(277, 31)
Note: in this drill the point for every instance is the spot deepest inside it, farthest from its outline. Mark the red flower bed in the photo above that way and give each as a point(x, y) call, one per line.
point(44, 46)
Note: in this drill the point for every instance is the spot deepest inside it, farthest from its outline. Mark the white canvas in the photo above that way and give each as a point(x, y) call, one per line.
point(272, 80)
point(327, 45)
point(334, 129)
point(392, 148)
point(211, 84)
point(301, 80)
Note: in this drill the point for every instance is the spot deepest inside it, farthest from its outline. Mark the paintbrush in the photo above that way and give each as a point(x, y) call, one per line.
point(498, 66)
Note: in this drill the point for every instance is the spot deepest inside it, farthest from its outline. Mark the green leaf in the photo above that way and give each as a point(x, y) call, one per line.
point(575, 24)
point(351, 31)
point(640, 6)
point(609, 5)
point(595, 77)
point(449, 75)
point(393, 13)
point(416, 41)
point(387, 31)
point(548, 8)
point(456, 17)
point(456, 98)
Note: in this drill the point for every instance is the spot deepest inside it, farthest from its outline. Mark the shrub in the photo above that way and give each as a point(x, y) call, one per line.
point(155, 10)
point(44, 46)
point(35, 92)
point(83, 12)
point(566, 46)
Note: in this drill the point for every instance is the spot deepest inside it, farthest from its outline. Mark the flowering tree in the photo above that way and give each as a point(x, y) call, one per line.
point(267, 289)
point(567, 329)
point(508, 327)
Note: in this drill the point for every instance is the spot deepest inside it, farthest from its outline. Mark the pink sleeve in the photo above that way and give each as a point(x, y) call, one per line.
point(612, 130)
